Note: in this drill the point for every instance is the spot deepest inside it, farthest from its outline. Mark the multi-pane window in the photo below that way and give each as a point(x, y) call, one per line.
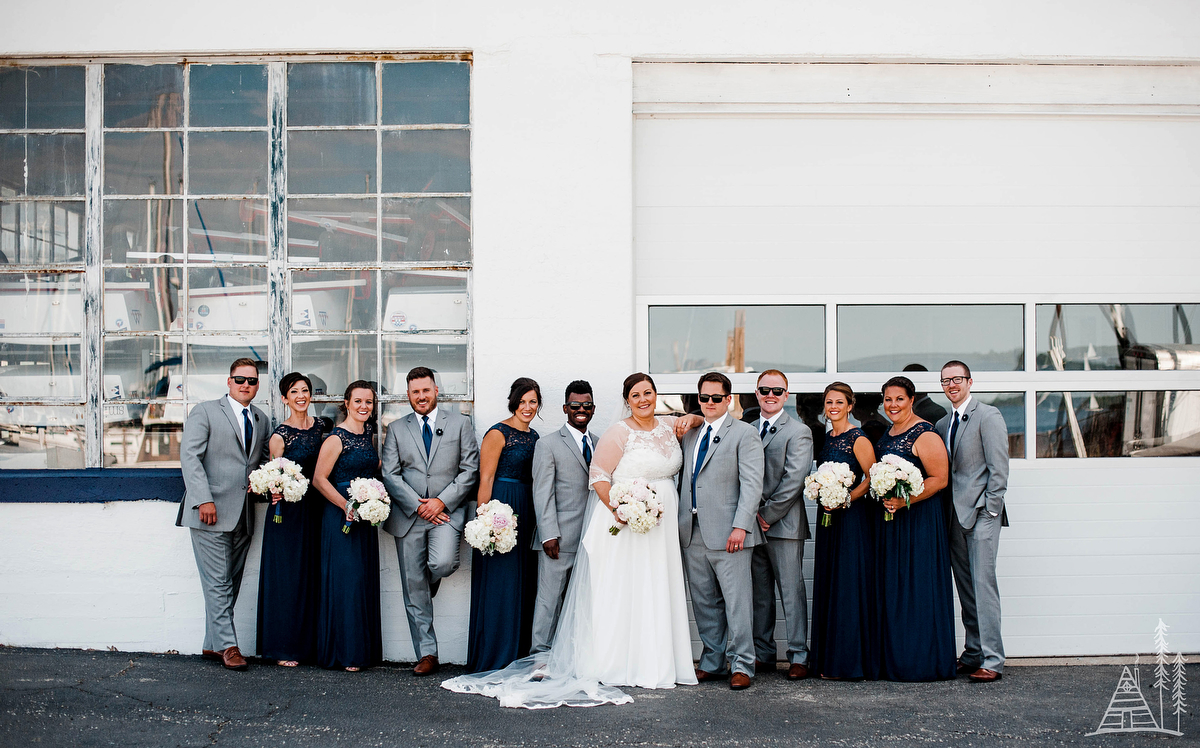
point(312, 216)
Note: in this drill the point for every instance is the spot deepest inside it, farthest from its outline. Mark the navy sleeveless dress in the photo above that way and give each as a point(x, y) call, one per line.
point(349, 629)
point(844, 638)
point(504, 585)
point(915, 600)
point(288, 590)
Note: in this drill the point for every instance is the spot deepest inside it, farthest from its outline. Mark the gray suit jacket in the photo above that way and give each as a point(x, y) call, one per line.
point(728, 488)
point(450, 472)
point(979, 465)
point(560, 488)
point(788, 454)
point(215, 466)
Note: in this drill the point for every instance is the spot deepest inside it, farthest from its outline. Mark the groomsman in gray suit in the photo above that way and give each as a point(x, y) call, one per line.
point(431, 469)
point(560, 503)
point(977, 440)
point(721, 487)
point(223, 442)
point(788, 447)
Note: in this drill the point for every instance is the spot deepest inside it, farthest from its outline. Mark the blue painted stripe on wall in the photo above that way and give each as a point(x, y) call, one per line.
point(90, 485)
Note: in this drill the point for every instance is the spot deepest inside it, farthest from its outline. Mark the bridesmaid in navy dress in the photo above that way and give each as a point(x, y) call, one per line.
point(291, 548)
point(504, 585)
point(916, 601)
point(844, 640)
point(349, 630)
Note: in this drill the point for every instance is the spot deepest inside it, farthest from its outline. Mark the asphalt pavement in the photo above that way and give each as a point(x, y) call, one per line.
point(88, 698)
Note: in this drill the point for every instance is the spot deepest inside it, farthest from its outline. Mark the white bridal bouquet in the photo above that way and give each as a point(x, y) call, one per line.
point(830, 485)
point(894, 477)
point(279, 476)
point(494, 529)
point(636, 504)
point(368, 500)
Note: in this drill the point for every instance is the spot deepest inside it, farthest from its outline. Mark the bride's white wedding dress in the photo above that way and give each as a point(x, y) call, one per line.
point(624, 621)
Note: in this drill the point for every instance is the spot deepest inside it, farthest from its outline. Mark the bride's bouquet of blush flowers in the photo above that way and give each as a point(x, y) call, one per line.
point(636, 504)
point(830, 486)
point(279, 476)
point(894, 477)
point(368, 500)
point(494, 529)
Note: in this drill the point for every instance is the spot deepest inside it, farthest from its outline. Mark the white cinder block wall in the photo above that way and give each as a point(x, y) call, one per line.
point(552, 163)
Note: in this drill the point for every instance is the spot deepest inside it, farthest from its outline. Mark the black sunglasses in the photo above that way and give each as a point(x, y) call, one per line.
point(714, 398)
point(776, 391)
point(584, 406)
point(252, 381)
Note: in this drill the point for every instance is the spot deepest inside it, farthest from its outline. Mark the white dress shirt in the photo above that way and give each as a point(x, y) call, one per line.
point(961, 410)
point(237, 413)
point(768, 422)
point(580, 439)
point(716, 427)
point(432, 419)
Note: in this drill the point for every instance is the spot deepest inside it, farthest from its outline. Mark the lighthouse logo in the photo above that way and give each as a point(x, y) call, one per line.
point(1129, 711)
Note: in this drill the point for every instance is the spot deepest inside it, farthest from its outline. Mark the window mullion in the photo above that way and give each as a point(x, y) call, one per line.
point(92, 313)
point(279, 323)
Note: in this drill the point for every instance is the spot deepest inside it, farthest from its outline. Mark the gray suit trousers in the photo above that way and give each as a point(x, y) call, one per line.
point(780, 560)
point(221, 559)
point(553, 576)
point(973, 559)
point(432, 549)
point(723, 604)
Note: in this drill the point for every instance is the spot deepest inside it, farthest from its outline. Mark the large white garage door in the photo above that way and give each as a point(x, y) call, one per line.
point(934, 196)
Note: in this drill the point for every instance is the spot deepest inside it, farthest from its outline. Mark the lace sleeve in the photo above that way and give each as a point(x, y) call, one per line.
point(608, 453)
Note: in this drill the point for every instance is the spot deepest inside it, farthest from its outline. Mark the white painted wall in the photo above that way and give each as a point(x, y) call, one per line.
point(553, 216)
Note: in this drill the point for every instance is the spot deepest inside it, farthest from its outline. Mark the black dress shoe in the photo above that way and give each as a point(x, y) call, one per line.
point(963, 668)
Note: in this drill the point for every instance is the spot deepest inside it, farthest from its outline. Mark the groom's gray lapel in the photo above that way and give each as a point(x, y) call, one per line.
point(238, 429)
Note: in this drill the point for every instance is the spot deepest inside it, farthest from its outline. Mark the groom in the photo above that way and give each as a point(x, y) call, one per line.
point(721, 488)
point(977, 439)
point(430, 467)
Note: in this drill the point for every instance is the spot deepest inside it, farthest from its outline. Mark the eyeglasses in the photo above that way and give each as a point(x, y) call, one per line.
point(714, 398)
point(953, 380)
point(582, 406)
point(252, 381)
point(776, 391)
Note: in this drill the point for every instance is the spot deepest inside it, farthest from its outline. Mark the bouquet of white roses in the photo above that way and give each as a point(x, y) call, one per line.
point(894, 477)
point(636, 504)
point(280, 476)
point(494, 529)
point(368, 500)
point(830, 486)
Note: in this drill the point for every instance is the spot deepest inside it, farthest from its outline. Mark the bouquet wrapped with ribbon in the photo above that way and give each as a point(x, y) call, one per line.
point(368, 500)
point(279, 477)
point(894, 477)
point(830, 486)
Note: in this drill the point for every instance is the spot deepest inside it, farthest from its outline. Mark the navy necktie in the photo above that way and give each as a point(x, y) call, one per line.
point(249, 429)
point(587, 451)
point(953, 432)
point(700, 461)
point(427, 435)
point(763, 435)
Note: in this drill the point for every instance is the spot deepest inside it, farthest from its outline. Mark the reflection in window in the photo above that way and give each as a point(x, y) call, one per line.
point(331, 94)
point(737, 338)
point(331, 162)
point(427, 161)
point(41, 302)
point(445, 354)
point(227, 230)
point(335, 360)
point(41, 165)
point(228, 95)
point(231, 163)
point(41, 232)
point(227, 298)
point(143, 435)
point(989, 337)
point(40, 368)
point(332, 230)
point(424, 300)
point(208, 359)
point(1153, 423)
point(41, 436)
point(340, 300)
point(1073, 337)
point(426, 93)
point(143, 95)
point(143, 367)
point(427, 229)
point(135, 163)
point(143, 299)
point(143, 231)
point(42, 98)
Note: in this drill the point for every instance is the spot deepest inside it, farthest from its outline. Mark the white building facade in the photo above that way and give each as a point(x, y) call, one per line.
point(503, 190)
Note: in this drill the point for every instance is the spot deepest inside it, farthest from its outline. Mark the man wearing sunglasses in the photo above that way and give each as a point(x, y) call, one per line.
point(721, 487)
point(560, 502)
point(223, 441)
point(779, 561)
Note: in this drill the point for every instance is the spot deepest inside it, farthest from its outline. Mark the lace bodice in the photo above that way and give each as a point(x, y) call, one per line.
point(902, 444)
point(840, 448)
point(358, 458)
point(625, 453)
point(302, 446)
point(516, 459)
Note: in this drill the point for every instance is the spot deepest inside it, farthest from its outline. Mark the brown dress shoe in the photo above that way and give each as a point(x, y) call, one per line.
point(964, 669)
point(209, 654)
point(233, 660)
point(704, 676)
point(983, 675)
point(739, 681)
point(427, 665)
point(798, 671)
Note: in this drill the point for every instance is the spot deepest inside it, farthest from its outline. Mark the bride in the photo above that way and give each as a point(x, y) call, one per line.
point(624, 621)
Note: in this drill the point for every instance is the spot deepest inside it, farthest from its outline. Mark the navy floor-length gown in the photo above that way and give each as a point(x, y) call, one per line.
point(844, 637)
point(504, 585)
point(289, 573)
point(349, 629)
point(915, 599)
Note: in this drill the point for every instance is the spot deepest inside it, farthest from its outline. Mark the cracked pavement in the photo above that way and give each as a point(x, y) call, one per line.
point(89, 698)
